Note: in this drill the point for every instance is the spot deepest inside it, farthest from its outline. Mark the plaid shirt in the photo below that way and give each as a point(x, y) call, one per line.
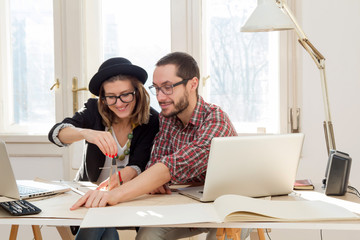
point(185, 150)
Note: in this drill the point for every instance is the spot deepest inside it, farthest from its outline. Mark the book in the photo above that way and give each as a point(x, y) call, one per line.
point(303, 184)
point(227, 208)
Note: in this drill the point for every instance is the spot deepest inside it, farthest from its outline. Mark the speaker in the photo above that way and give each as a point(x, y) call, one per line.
point(337, 173)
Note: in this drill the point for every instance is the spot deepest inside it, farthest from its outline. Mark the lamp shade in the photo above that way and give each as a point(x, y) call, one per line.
point(267, 16)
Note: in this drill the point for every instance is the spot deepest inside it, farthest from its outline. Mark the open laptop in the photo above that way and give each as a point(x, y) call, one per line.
point(252, 166)
point(22, 189)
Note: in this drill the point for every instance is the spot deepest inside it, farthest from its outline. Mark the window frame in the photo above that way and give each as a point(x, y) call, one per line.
point(5, 65)
point(185, 36)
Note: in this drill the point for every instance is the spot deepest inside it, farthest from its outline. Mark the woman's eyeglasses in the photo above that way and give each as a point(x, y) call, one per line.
point(125, 98)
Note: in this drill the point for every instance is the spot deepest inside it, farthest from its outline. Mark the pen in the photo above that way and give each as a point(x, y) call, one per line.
point(77, 191)
point(73, 189)
point(120, 179)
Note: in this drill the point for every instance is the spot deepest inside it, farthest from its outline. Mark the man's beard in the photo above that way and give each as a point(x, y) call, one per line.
point(179, 106)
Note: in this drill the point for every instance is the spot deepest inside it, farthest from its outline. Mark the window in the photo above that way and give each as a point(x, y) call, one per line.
point(243, 67)
point(28, 104)
point(140, 35)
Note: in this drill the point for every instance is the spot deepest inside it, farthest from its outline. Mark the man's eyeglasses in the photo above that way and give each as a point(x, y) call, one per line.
point(125, 98)
point(167, 89)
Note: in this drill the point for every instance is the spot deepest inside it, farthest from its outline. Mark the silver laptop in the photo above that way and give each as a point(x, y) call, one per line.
point(252, 166)
point(22, 189)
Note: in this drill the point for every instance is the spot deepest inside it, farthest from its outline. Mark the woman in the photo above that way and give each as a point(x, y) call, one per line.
point(119, 126)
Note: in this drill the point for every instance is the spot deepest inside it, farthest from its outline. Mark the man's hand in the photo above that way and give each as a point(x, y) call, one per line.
point(164, 189)
point(95, 198)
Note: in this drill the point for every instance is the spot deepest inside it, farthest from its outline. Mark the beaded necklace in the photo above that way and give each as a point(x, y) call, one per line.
point(128, 143)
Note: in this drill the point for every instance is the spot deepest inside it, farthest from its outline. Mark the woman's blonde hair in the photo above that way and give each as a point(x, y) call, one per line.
point(141, 112)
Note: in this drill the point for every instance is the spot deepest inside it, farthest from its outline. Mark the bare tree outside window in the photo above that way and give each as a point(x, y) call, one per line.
point(239, 66)
point(32, 105)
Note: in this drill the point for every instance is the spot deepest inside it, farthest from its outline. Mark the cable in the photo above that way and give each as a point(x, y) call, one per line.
point(267, 233)
point(353, 188)
point(354, 191)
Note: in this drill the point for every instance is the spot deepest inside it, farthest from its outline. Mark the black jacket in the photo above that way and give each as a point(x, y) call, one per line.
point(89, 117)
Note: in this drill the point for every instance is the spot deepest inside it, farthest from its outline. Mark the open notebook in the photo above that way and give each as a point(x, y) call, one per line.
point(227, 208)
point(22, 189)
point(252, 166)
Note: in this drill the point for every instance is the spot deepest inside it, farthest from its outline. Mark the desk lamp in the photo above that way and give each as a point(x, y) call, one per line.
point(275, 15)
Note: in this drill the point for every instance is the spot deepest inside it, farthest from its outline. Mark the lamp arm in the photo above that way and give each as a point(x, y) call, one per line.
point(314, 53)
point(303, 40)
point(320, 63)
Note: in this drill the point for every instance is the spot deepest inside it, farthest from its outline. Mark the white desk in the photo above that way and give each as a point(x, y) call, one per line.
point(55, 212)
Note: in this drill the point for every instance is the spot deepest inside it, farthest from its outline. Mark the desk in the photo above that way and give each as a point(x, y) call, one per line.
point(55, 212)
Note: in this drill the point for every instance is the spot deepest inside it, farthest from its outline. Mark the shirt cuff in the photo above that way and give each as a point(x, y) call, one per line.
point(56, 133)
point(136, 168)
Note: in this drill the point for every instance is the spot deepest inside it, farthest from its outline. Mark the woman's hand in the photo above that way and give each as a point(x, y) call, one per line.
point(127, 174)
point(105, 184)
point(104, 140)
point(95, 198)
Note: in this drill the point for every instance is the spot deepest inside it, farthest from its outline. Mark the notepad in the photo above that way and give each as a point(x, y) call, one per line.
point(303, 184)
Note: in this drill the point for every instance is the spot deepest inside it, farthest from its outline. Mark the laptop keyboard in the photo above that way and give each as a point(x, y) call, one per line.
point(27, 190)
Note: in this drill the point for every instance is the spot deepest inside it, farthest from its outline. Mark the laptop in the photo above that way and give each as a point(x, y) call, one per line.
point(22, 189)
point(252, 166)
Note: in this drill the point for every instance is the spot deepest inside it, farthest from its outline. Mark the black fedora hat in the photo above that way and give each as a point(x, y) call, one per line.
point(113, 67)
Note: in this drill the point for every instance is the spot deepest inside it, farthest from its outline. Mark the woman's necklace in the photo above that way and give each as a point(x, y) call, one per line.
point(128, 143)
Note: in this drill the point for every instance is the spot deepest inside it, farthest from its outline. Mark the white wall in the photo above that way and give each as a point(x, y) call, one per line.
point(334, 29)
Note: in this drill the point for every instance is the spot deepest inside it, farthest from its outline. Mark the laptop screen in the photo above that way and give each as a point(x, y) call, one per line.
point(253, 166)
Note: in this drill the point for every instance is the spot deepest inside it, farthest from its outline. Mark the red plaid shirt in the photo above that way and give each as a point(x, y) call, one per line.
point(185, 150)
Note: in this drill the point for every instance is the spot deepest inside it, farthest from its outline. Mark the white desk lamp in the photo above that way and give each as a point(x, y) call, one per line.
point(268, 17)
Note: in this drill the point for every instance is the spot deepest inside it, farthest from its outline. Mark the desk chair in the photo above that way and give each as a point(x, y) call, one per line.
point(235, 233)
point(35, 229)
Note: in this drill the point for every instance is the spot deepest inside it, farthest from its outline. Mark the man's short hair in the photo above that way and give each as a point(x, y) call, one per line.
point(186, 65)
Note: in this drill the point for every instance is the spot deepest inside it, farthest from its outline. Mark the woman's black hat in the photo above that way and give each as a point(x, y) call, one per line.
point(113, 67)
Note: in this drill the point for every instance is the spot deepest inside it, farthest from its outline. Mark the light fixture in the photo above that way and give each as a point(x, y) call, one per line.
point(268, 17)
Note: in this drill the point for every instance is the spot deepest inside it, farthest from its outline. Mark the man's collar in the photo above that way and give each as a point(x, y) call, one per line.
point(196, 115)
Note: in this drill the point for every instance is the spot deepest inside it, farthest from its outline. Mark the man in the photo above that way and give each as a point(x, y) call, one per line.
point(187, 126)
point(181, 148)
